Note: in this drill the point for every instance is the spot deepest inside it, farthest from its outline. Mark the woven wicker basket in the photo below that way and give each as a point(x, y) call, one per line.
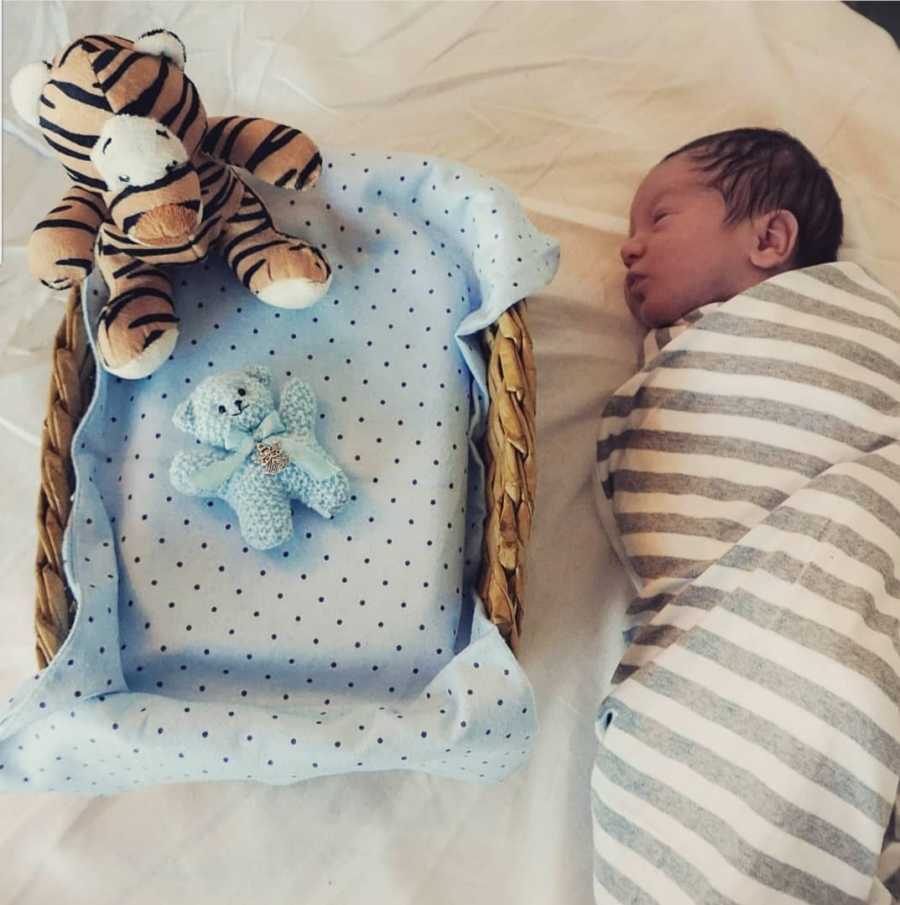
point(508, 453)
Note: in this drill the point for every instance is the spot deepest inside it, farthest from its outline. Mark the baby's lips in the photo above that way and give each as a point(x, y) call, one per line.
point(631, 280)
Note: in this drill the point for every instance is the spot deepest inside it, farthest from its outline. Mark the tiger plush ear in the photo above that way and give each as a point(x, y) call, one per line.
point(162, 43)
point(26, 88)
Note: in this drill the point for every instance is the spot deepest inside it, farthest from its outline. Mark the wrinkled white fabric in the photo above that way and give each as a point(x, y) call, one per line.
point(568, 104)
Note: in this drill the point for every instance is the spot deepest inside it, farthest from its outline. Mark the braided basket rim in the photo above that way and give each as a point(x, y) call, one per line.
point(507, 446)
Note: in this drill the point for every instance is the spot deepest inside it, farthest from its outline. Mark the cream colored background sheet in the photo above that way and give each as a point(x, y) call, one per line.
point(569, 104)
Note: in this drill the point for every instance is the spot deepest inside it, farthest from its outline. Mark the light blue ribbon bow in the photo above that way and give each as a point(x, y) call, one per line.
point(241, 444)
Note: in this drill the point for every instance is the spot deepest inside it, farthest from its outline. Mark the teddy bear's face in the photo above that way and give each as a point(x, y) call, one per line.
point(240, 399)
point(125, 121)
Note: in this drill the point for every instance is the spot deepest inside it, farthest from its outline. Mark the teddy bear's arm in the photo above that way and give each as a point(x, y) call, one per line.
point(298, 406)
point(186, 464)
point(275, 153)
point(61, 247)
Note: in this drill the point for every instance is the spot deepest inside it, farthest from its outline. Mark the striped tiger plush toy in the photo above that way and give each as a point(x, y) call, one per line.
point(153, 185)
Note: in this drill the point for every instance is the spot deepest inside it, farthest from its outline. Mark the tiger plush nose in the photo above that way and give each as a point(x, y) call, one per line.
point(165, 224)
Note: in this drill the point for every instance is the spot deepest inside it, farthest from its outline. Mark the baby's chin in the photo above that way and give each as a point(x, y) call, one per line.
point(635, 302)
point(653, 319)
point(644, 312)
point(654, 313)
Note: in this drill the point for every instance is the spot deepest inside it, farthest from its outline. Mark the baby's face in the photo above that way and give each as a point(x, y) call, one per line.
point(680, 253)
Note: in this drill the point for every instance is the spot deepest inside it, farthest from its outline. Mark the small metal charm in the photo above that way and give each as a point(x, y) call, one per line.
point(272, 457)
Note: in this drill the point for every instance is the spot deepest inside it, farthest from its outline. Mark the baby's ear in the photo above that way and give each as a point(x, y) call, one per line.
point(777, 234)
point(260, 373)
point(184, 416)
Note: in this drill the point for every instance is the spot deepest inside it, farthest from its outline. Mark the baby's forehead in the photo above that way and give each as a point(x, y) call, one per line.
point(674, 175)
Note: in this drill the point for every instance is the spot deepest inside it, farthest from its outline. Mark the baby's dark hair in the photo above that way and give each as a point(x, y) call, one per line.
point(761, 170)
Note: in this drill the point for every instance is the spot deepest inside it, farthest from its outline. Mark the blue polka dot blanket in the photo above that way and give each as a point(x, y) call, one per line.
point(359, 644)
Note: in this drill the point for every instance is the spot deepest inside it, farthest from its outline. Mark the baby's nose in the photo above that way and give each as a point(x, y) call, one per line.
point(630, 252)
point(240, 404)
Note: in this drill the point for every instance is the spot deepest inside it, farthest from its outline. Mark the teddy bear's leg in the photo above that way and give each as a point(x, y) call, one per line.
point(326, 497)
point(282, 270)
point(263, 509)
point(137, 328)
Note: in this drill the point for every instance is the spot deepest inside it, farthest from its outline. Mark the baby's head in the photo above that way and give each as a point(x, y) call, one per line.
point(722, 214)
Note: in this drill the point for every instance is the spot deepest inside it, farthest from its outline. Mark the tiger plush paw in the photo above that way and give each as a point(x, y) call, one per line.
point(132, 346)
point(296, 276)
point(61, 247)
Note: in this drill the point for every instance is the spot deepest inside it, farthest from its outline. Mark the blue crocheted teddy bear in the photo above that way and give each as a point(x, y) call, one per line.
point(261, 458)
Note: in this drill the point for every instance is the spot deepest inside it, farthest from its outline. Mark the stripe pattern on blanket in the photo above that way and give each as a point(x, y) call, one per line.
point(749, 479)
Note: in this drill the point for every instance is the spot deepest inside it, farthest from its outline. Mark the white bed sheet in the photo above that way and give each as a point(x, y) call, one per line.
point(568, 104)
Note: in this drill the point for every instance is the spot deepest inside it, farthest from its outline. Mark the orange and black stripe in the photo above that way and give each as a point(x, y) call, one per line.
point(277, 153)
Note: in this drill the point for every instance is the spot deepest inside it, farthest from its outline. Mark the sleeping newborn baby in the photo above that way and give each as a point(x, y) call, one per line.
point(724, 213)
point(713, 220)
point(748, 477)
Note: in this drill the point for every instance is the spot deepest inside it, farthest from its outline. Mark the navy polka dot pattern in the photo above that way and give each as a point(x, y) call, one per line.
point(360, 644)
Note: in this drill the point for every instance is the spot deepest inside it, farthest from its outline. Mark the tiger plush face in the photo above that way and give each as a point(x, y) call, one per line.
point(125, 122)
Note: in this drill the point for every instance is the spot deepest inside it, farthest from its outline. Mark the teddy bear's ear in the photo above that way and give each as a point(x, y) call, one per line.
point(26, 88)
point(261, 373)
point(160, 42)
point(183, 418)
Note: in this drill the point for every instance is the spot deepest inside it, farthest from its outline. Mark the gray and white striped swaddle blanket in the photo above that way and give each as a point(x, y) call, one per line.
point(749, 479)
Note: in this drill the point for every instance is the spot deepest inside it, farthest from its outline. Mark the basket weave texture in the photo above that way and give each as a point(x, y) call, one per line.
point(508, 453)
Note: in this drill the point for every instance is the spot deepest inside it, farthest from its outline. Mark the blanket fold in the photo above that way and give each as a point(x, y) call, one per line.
point(360, 643)
point(749, 479)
